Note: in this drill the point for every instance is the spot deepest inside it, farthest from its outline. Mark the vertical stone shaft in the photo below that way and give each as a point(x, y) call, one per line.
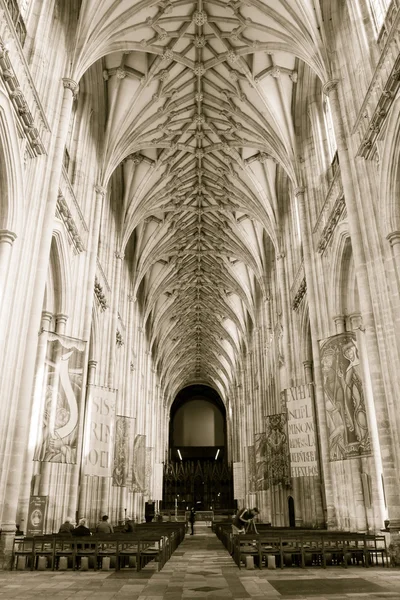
point(380, 408)
point(23, 412)
point(319, 393)
point(77, 476)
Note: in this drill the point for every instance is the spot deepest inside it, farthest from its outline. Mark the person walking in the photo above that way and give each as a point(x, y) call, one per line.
point(192, 518)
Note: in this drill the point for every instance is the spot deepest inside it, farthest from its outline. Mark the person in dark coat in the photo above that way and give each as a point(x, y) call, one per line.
point(81, 530)
point(66, 528)
point(192, 518)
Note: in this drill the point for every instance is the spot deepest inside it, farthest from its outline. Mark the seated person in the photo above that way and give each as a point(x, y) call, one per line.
point(129, 526)
point(66, 528)
point(103, 526)
point(81, 530)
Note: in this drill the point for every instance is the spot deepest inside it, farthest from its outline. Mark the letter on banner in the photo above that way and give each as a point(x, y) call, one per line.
point(99, 434)
point(302, 447)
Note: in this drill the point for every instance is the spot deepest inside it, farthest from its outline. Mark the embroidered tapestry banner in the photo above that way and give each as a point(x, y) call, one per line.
point(123, 451)
point(57, 401)
point(99, 434)
point(277, 449)
point(302, 444)
point(344, 397)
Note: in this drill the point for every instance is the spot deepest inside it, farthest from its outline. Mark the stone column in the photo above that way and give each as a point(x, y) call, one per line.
point(38, 401)
point(83, 485)
point(87, 324)
point(115, 303)
point(308, 375)
point(319, 392)
point(394, 274)
point(389, 458)
point(340, 323)
point(46, 467)
point(21, 428)
point(6, 243)
point(378, 501)
point(280, 259)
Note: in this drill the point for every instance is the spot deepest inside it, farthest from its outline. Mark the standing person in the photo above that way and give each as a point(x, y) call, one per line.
point(192, 518)
point(81, 529)
point(243, 519)
point(66, 528)
point(103, 526)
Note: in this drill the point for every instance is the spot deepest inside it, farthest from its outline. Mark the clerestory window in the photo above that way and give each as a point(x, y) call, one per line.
point(330, 134)
point(378, 9)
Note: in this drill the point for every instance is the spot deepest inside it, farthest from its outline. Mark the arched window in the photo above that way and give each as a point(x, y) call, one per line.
point(330, 134)
point(378, 10)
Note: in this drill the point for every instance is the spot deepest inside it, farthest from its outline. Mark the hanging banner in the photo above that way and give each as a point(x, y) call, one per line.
point(238, 481)
point(123, 451)
point(99, 434)
point(277, 449)
point(60, 401)
point(262, 473)
point(301, 430)
point(344, 397)
point(139, 464)
point(36, 515)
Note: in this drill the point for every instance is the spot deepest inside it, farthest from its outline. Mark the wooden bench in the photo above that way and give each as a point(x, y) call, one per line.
point(146, 543)
point(305, 548)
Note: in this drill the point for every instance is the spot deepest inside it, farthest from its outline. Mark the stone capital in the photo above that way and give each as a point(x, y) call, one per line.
point(47, 316)
point(100, 190)
point(299, 191)
point(70, 84)
point(7, 237)
point(356, 321)
point(393, 237)
point(329, 86)
point(340, 323)
point(61, 318)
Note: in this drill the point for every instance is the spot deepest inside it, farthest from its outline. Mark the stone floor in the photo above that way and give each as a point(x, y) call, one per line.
point(202, 568)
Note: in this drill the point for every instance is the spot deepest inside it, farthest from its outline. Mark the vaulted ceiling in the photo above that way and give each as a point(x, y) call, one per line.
point(199, 120)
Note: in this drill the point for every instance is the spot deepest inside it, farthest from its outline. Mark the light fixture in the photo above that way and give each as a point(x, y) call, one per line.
point(180, 455)
point(216, 456)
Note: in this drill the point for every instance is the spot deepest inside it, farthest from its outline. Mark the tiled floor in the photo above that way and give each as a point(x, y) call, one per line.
point(202, 568)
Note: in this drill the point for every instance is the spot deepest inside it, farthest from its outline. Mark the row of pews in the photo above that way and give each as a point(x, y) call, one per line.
point(288, 547)
point(149, 542)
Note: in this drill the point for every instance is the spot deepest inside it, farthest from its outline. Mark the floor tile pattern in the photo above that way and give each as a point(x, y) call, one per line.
point(202, 568)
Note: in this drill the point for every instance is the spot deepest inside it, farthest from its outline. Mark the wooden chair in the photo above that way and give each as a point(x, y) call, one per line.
point(23, 547)
point(64, 546)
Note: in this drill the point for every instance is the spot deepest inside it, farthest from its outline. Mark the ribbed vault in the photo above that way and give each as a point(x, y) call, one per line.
point(199, 124)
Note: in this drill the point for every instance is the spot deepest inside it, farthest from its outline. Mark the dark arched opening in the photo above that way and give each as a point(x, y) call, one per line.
point(197, 473)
